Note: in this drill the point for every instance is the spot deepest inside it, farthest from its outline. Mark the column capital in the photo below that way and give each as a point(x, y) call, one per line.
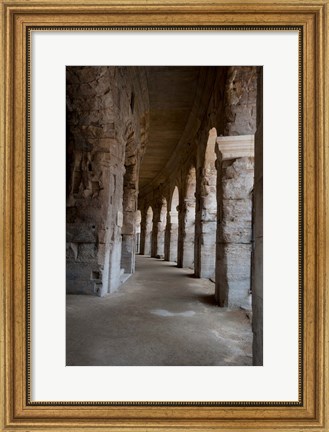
point(233, 147)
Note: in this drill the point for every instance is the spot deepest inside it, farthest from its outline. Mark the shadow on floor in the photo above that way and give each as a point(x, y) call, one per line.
point(207, 299)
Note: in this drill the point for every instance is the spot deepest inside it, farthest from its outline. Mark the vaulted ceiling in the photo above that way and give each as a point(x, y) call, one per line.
point(172, 91)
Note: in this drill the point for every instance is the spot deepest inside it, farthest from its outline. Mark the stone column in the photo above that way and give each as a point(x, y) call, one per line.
point(235, 165)
point(181, 234)
point(128, 242)
point(146, 234)
point(130, 180)
point(148, 241)
point(142, 233)
point(160, 252)
point(187, 258)
point(155, 231)
point(167, 238)
point(112, 238)
point(206, 212)
point(138, 231)
point(257, 265)
point(173, 215)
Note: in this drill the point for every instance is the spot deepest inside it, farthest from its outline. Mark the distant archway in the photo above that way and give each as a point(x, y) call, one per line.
point(148, 231)
point(206, 212)
point(187, 223)
point(161, 230)
point(138, 231)
point(172, 228)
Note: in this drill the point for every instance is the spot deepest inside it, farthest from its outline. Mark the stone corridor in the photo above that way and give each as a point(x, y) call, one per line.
point(162, 316)
point(164, 162)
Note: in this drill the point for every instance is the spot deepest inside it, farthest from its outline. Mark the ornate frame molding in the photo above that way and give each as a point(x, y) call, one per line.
point(17, 412)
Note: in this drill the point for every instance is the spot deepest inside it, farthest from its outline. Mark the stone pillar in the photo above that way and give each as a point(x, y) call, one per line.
point(257, 265)
point(148, 241)
point(128, 253)
point(130, 186)
point(235, 164)
point(173, 236)
point(147, 227)
point(167, 238)
point(155, 230)
point(160, 252)
point(186, 249)
point(129, 246)
point(181, 234)
point(138, 232)
point(142, 233)
point(113, 239)
point(206, 212)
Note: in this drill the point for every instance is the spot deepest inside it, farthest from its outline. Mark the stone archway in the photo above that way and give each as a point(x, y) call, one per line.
point(187, 223)
point(129, 205)
point(148, 231)
point(206, 212)
point(138, 231)
point(171, 245)
point(160, 249)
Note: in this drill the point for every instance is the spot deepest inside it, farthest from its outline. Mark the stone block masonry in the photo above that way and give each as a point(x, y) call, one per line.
point(160, 160)
point(106, 138)
point(235, 165)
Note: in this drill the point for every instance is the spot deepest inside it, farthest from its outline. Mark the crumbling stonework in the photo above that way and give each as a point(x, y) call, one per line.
point(105, 141)
point(234, 227)
point(240, 101)
point(195, 209)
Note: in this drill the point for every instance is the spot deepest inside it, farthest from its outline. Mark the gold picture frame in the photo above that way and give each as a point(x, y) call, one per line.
point(17, 411)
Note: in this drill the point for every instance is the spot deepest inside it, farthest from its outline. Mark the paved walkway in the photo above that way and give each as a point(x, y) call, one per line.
point(162, 316)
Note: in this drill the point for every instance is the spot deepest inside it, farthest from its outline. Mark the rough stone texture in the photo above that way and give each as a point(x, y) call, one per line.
point(206, 212)
point(159, 250)
point(174, 200)
point(148, 232)
point(257, 268)
point(186, 226)
point(233, 259)
point(190, 153)
point(106, 137)
point(240, 100)
point(231, 105)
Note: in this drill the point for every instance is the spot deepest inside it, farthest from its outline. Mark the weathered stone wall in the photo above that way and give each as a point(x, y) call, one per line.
point(186, 227)
point(206, 225)
point(234, 234)
point(106, 134)
point(197, 237)
point(240, 101)
point(206, 212)
point(234, 191)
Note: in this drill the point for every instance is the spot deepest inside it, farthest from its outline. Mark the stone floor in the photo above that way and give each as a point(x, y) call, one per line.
point(162, 316)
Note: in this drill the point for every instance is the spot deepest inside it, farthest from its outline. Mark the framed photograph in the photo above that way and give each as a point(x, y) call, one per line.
point(164, 197)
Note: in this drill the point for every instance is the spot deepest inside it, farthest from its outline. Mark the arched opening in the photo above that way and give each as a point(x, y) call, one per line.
point(187, 223)
point(206, 212)
point(160, 249)
point(148, 231)
point(172, 228)
point(138, 231)
point(145, 138)
point(128, 230)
